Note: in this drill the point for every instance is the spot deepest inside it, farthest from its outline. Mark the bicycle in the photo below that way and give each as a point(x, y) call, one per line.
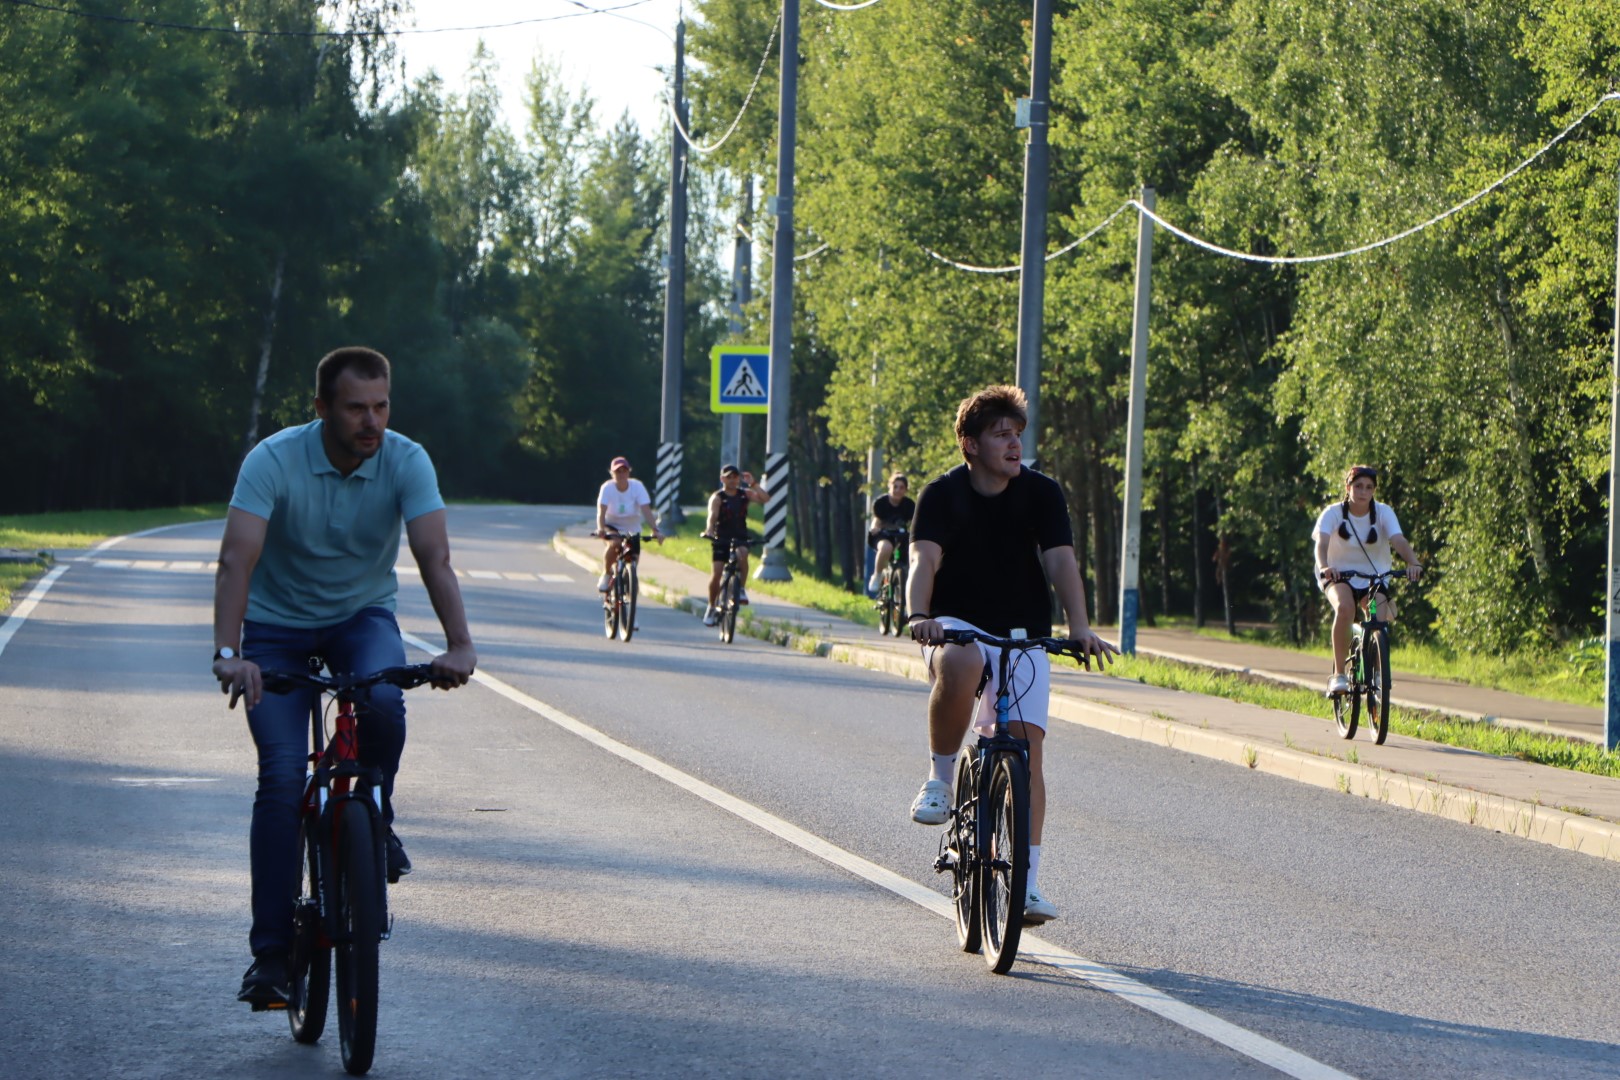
point(985, 847)
point(1367, 664)
point(343, 902)
point(891, 597)
point(624, 586)
point(731, 584)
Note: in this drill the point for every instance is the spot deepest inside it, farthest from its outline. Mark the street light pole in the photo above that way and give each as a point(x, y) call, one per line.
point(1032, 276)
point(773, 567)
point(1130, 594)
point(1611, 695)
point(669, 437)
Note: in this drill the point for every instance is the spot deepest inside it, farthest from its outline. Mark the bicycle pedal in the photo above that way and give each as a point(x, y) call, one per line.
point(269, 1006)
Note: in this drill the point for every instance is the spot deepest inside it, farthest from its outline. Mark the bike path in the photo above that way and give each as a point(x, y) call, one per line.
point(1409, 690)
point(1573, 810)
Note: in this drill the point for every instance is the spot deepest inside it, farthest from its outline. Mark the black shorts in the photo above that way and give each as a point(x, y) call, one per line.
point(721, 550)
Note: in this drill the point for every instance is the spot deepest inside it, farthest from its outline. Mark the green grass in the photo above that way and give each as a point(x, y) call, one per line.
point(687, 547)
point(1486, 738)
point(1556, 675)
point(84, 528)
point(80, 529)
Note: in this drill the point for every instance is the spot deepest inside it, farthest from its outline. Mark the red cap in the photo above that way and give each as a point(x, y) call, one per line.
point(618, 462)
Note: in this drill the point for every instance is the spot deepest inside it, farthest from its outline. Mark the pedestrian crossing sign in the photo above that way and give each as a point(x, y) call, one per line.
point(740, 380)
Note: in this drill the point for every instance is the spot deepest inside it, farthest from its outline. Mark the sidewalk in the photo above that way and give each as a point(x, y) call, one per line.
point(1567, 809)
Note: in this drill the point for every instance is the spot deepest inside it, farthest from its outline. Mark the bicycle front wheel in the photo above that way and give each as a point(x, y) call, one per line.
point(899, 595)
point(357, 895)
point(311, 960)
point(1347, 713)
point(728, 608)
point(627, 610)
point(964, 867)
point(1377, 657)
point(885, 608)
point(1004, 859)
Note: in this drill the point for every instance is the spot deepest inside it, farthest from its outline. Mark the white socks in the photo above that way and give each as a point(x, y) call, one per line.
point(1034, 864)
point(942, 767)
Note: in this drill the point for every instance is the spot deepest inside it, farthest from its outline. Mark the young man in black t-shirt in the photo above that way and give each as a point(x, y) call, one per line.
point(891, 511)
point(986, 539)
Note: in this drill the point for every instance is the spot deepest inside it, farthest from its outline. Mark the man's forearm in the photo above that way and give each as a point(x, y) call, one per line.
point(230, 605)
point(445, 593)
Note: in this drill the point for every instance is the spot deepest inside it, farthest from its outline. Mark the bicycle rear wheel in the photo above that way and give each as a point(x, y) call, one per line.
point(964, 870)
point(311, 962)
point(885, 609)
point(1004, 859)
point(358, 903)
point(610, 609)
point(1376, 654)
point(728, 608)
point(899, 572)
point(1347, 706)
point(627, 610)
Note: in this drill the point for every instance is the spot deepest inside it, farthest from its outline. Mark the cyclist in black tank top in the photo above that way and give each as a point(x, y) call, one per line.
point(728, 520)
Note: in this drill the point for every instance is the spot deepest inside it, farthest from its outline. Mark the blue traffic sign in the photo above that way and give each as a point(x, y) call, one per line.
point(740, 379)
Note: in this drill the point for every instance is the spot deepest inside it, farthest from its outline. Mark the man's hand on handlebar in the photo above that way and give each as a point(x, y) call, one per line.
point(454, 667)
point(241, 679)
point(928, 631)
point(1088, 644)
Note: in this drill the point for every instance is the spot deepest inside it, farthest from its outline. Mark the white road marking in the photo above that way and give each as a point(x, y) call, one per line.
point(148, 564)
point(188, 564)
point(1248, 1043)
point(516, 575)
point(164, 781)
point(484, 574)
point(411, 570)
point(557, 579)
point(113, 564)
point(26, 608)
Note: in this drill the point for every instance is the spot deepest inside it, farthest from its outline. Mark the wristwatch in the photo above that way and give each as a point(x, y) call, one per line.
point(225, 652)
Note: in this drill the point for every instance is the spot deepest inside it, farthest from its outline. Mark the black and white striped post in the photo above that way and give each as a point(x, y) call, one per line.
point(774, 567)
point(669, 482)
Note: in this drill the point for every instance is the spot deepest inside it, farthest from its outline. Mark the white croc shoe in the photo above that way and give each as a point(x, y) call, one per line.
point(1038, 909)
point(932, 804)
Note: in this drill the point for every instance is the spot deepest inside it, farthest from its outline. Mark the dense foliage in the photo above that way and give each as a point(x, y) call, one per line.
point(1469, 362)
point(190, 220)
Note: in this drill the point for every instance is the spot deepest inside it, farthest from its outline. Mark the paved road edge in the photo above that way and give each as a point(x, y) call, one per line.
point(1515, 817)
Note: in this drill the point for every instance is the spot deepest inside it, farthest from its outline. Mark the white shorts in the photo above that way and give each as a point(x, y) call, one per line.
point(1029, 671)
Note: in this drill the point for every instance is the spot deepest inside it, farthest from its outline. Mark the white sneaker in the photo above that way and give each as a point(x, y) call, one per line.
point(1339, 684)
point(604, 583)
point(710, 616)
point(1038, 909)
point(876, 581)
point(742, 597)
point(932, 804)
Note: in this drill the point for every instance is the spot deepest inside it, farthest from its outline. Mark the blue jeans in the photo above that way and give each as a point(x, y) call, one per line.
point(364, 643)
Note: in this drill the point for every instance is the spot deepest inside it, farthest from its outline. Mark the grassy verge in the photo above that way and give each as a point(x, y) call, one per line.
point(1568, 675)
point(80, 529)
point(1486, 738)
point(687, 547)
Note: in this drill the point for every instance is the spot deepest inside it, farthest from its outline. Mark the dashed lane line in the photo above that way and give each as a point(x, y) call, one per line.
point(1034, 949)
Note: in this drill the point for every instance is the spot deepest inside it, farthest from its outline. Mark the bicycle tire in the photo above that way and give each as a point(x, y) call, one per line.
point(900, 571)
point(1004, 859)
point(610, 611)
point(1346, 713)
point(964, 839)
point(357, 900)
point(728, 608)
point(627, 610)
point(1376, 651)
point(885, 612)
point(311, 962)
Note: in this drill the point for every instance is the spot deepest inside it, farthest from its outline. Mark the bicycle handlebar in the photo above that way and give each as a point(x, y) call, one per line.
point(1389, 577)
point(749, 542)
point(892, 534)
point(1054, 645)
point(406, 678)
point(616, 534)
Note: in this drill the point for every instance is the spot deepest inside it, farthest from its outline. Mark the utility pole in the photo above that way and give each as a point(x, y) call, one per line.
point(1032, 113)
point(742, 291)
point(1611, 694)
point(669, 432)
point(1130, 596)
point(773, 567)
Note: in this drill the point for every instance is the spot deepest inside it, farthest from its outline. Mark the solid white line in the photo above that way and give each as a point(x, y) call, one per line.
point(1246, 1042)
point(26, 608)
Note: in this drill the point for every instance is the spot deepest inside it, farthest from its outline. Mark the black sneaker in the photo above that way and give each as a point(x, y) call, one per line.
point(266, 984)
point(399, 864)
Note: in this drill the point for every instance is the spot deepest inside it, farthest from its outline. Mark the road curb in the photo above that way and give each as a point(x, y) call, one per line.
point(1593, 836)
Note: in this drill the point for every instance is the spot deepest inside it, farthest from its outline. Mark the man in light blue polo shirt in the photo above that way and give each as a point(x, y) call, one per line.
point(306, 568)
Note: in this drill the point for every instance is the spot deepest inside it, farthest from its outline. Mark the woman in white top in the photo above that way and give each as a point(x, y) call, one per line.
point(622, 506)
point(1357, 534)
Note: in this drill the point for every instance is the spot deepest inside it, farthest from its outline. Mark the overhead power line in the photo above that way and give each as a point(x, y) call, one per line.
point(747, 99)
point(846, 7)
point(1064, 250)
point(585, 9)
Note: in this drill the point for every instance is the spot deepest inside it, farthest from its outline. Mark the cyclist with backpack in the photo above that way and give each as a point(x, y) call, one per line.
point(987, 539)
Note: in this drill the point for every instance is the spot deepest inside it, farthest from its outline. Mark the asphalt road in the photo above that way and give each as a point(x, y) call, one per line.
point(575, 914)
